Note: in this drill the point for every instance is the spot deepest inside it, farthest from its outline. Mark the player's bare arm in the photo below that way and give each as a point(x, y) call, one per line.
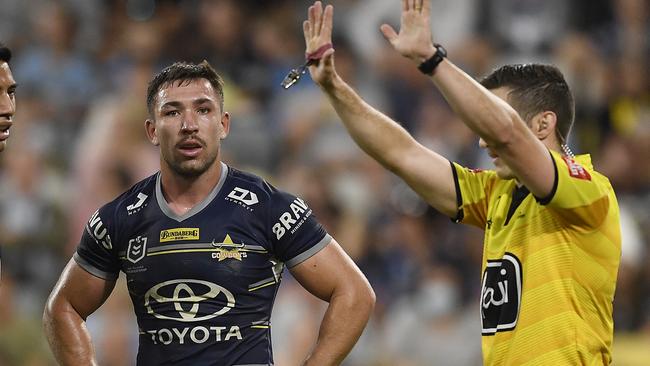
point(332, 276)
point(76, 295)
point(428, 173)
point(495, 121)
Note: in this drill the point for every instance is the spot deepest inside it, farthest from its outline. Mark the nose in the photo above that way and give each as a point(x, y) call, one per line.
point(482, 143)
point(7, 106)
point(189, 123)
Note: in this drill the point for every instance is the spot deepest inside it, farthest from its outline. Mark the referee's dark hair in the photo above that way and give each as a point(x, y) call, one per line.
point(5, 53)
point(183, 72)
point(535, 88)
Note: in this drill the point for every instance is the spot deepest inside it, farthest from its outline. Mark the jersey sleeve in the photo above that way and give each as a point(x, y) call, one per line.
point(580, 195)
point(95, 252)
point(473, 188)
point(295, 233)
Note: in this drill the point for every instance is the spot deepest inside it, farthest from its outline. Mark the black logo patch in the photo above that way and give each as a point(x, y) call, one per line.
point(501, 294)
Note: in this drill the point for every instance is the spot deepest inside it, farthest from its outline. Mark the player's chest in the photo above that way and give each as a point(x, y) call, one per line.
point(220, 248)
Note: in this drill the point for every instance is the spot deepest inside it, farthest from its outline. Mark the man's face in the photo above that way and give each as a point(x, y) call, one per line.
point(502, 170)
point(7, 102)
point(188, 126)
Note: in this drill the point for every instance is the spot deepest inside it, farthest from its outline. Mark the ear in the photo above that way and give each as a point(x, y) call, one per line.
point(543, 125)
point(225, 125)
point(150, 129)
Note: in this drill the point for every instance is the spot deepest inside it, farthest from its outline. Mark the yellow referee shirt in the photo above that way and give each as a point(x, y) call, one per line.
point(549, 265)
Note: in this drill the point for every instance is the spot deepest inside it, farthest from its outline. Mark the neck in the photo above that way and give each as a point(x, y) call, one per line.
point(553, 144)
point(182, 192)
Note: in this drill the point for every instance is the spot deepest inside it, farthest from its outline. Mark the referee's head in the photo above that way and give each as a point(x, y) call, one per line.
point(534, 89)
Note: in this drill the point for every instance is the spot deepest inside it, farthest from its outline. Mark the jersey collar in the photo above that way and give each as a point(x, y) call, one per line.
point(164, 207)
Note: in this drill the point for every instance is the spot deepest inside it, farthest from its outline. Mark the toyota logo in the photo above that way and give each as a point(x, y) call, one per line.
point(186, 296)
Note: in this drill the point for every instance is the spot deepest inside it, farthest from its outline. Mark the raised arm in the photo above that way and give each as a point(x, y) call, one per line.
point(428, 173)
point(494, 120)
point(76, 295)
point(333, 277)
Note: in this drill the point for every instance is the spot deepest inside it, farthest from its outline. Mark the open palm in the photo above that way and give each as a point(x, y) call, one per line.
point(317, 30)
point(414, 39)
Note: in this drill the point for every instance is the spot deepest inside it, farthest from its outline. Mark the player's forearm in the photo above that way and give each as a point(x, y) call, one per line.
point(342, 325)
point(67, 335)
point(378, 135)
point(483, 112)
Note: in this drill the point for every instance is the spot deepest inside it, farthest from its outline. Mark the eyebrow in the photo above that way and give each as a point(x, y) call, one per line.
point(177, 104)
point(12, 86)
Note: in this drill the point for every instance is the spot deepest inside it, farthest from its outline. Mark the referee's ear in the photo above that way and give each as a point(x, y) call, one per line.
point(543, 125)
point(150, 130)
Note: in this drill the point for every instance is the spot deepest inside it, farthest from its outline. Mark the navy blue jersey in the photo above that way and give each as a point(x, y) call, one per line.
point(203, 283)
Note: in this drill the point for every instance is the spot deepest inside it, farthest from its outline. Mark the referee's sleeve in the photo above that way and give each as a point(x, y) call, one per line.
point(581, 196)
point(473, 188)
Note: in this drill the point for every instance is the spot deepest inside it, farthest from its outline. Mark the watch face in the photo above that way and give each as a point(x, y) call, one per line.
point(440, 50)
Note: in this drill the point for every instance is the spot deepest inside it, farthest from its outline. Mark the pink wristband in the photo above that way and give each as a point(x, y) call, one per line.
point(318, 54)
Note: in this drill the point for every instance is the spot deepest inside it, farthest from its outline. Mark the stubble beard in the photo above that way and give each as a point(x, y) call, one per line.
point(191, 168)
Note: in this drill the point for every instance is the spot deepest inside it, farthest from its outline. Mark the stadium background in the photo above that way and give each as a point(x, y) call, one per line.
point(78, 141)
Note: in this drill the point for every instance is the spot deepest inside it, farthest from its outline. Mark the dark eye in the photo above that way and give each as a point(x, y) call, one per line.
point(11, 91)
point(171, 113)
point(204, 110)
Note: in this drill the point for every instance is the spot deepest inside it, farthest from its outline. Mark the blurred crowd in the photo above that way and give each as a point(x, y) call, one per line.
point(78, 141)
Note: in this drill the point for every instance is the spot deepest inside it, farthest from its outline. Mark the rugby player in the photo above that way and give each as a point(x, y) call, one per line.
point(203, 246)
point(552, 236)
point(7, 97)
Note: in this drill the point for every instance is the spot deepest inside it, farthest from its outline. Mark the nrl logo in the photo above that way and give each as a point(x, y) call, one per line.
point(137, 249)
point(227, 249)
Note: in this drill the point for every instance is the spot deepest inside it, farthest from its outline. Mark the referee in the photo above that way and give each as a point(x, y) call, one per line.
point(552, 240)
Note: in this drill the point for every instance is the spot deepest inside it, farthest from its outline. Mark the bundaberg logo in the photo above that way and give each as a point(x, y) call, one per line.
point(181, 233)
point(227, 249)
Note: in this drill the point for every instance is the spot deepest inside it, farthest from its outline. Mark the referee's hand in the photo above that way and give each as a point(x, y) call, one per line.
point(414, 39)
point(318, 34)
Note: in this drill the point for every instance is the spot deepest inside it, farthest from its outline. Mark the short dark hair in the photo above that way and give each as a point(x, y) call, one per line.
point(5, 53)
point(183, 72)
point(535, 88)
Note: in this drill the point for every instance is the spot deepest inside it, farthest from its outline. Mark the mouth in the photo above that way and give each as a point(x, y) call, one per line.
point(190, 148)
point(4, 130)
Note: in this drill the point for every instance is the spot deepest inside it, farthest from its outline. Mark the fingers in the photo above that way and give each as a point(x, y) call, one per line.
point(320, 22)
point(311, 18)
point(306, 30)
point(416, 5)
point(326, 30)
point(389, 33)
point(426, 7)
point(318, 14)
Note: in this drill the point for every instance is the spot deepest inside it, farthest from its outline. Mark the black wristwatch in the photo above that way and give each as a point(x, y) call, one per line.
point(428, 66)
